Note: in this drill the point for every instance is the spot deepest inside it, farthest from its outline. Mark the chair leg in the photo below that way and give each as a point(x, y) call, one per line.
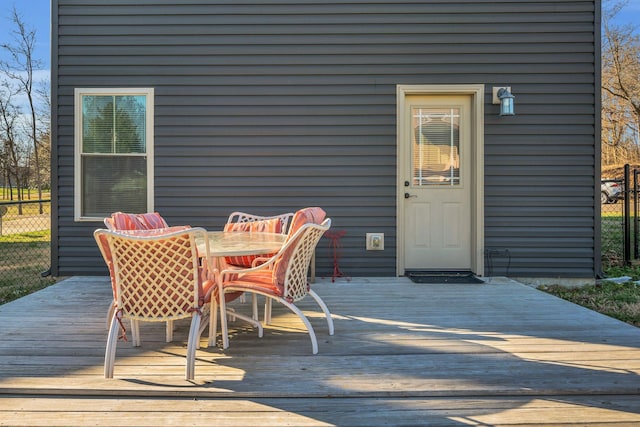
point(324, 308)
point(312, 334)
point(252, 321)
point(169, 330)
point(254, 306)
point(112, 308)
point(194, 334)
point(213, 323)
point(110, 351)
point(135, 333)
point(223, 321)
point(267, 311)
point(204, 322)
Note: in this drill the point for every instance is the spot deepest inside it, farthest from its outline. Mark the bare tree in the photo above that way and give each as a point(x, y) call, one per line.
point(620, 88)
point(20, 68)
point(11, 150)
point(44, 133)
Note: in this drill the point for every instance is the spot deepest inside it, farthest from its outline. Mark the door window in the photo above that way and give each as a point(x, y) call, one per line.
point(435, 146)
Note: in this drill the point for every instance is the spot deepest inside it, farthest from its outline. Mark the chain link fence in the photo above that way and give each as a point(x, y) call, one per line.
point(620, 213)
point(613, 225)
point(25, 247)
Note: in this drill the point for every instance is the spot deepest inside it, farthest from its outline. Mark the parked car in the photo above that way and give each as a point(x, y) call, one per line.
point(610, 192)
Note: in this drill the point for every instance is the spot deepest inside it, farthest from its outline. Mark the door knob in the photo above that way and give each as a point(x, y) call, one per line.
point(407, 195)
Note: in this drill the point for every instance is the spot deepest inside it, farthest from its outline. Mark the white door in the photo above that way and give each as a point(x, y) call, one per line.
point(435, 174)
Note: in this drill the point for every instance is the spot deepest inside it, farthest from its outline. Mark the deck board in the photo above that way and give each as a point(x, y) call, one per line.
point(500, 353)
point(311, 412)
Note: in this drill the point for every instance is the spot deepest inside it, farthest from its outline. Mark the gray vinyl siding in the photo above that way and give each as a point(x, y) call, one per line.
point(272, 105)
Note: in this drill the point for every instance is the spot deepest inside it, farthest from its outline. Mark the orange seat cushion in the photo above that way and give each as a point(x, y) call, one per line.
point(261, 281)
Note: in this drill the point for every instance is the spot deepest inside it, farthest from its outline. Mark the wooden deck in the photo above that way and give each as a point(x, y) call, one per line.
point(499, 353)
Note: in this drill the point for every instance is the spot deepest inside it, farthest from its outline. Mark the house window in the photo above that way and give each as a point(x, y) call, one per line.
point(114, 152)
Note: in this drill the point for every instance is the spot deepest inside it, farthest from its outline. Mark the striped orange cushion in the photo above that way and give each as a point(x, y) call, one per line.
point(145, 221)
point(314, 215)
point(264, 226)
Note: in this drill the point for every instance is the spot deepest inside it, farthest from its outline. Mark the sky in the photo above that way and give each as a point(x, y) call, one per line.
point(36, 16)
point(630, 15)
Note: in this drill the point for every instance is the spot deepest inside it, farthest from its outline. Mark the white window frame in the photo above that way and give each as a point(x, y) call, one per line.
point(78, 94)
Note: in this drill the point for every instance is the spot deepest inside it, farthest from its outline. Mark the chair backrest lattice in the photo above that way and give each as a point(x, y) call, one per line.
point(291, 270)
point(157, 274)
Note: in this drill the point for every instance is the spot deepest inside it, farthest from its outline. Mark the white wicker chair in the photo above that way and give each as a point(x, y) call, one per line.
point(282, 278)
point(242, 221)
point(159, 276)
point(119, 221)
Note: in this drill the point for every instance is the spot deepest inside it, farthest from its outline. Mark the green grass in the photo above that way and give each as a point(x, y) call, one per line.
point(12, 292)
point(618, 300)
point(24, 257)
point(612, 238)
point(28, 209)
point(5, 196)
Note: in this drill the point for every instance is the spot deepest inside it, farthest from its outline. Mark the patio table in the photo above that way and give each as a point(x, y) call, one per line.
point(238, 243)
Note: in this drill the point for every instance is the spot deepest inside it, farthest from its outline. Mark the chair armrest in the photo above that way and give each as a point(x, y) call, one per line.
point(259, 261)
point(236, 272)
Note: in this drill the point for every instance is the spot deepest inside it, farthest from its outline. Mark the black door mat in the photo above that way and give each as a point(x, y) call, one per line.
point(442, 277)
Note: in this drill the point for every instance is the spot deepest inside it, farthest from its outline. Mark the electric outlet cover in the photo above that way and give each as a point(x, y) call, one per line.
point(375, 241)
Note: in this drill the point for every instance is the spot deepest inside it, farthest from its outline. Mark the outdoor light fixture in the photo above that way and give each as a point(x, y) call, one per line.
point(503, 96)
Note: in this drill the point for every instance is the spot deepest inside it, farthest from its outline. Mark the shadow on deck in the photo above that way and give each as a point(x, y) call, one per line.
point(496, 353)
